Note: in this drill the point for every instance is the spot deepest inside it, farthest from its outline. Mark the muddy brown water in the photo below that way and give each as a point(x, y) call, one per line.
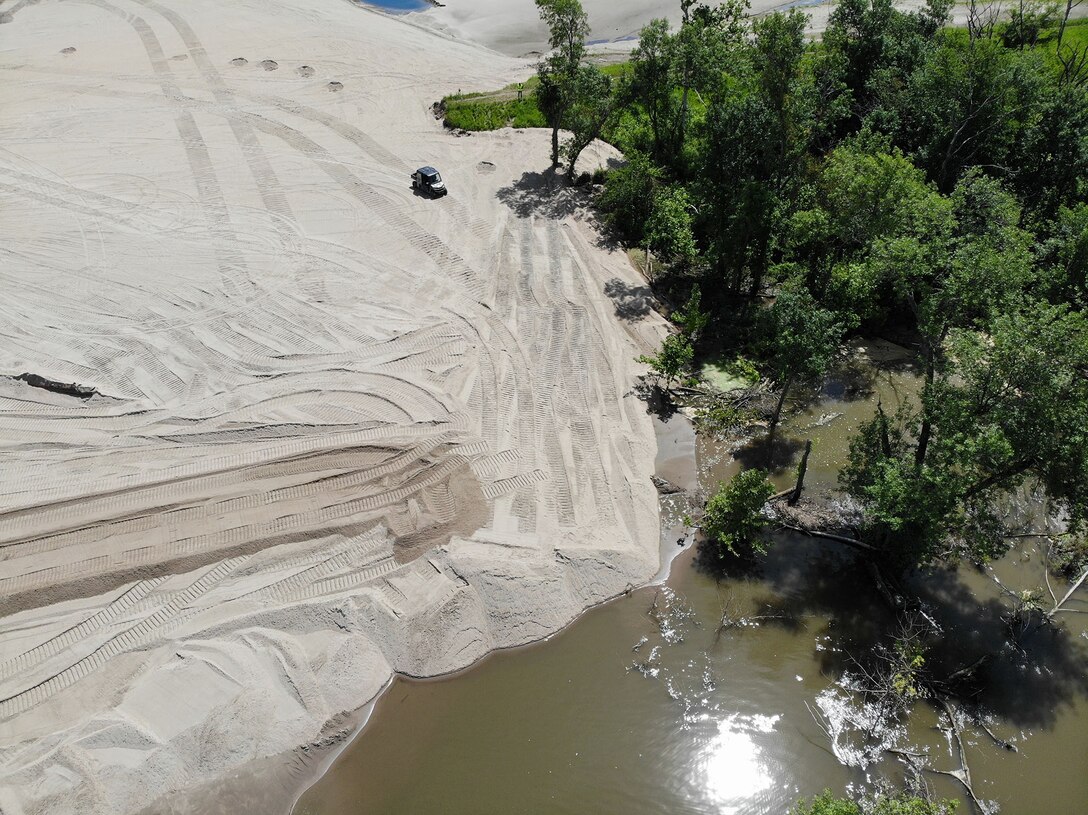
point(643, 706)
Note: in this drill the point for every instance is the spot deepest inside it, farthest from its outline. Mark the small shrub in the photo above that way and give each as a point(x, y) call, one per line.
point(1070, 555)
point(690, 317)
point(723, 418)
point(672, 360)
point(734, 515)
point(881, 804)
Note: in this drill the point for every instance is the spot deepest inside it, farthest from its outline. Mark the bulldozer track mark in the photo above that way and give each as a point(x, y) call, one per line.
point(507, 485)
point(170, 614)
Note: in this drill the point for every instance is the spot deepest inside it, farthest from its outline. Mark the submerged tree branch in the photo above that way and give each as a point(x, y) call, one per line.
point(1072, 589)
point(813, 533)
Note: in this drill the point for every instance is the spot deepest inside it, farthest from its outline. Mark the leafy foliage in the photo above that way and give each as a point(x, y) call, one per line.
point(668, 229)
point(672, 360)
point(559, 75)
point(628, 196)
point(898, 177)
point(827, 804)
point(482, 112)
point(1006, 404)
point(733, 518)
point(691, 318)
point(801, 340)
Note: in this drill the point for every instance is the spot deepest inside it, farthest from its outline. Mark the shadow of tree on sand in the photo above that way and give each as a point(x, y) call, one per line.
point(657, 401)
point(632, 301)
point(542, 194)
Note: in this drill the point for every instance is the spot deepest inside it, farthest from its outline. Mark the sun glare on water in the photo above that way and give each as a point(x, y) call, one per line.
point(732, 765)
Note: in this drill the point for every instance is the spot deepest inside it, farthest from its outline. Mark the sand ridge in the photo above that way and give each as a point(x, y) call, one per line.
point(514, 27)
point(337, 430)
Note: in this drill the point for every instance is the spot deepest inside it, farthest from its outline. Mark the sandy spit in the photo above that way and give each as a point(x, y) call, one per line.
point(326, 430)
point(514, 27)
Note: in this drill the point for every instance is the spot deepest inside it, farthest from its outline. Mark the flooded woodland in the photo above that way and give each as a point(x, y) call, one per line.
point(738, 693)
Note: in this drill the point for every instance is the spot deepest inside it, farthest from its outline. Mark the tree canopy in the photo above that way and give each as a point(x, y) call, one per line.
point(898, 177)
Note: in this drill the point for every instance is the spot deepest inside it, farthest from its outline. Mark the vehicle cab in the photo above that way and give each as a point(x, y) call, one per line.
point(429, 180)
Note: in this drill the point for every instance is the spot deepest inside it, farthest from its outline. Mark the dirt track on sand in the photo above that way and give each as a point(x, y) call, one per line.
point(338, 430)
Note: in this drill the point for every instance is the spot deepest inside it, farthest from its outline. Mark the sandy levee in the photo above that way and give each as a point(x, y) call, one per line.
point(514, 27)
point(287, 426)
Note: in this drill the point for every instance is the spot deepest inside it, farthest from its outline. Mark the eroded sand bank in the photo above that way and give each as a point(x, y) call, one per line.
point(339, 430)
point(514, 27)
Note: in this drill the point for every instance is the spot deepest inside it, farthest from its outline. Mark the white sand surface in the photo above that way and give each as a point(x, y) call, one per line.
point(339, 431)
point(514, 27)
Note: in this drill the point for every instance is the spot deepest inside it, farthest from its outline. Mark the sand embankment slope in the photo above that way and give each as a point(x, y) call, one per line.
point(339, 430)
point(514, 27)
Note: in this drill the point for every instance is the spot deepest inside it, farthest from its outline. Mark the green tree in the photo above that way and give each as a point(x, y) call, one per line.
point(867, 205)
point(568, 28)
point(802, 340)
point(591, 106)
point(652, 87)
point(756, 135)
point(1064, 257)
point(628, 196)
point(673, 360)
point(733, 519)
point(967, 105)
point(1010, 401)
point(669, 227)
point(869, 50)
point(691, 318)
point(703, 44)
point(1027, 19)
point(1049, 162)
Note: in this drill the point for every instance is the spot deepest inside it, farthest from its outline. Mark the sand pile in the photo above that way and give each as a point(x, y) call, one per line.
point(289, 427)
point(514, 27)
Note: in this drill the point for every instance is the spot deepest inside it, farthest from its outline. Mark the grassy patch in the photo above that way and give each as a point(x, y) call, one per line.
point(481, 112)
point(502, 108)
point(1076, 36)
point(495, 109)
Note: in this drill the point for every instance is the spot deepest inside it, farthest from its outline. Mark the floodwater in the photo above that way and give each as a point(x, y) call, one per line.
point(399, 6)
point(645, 706)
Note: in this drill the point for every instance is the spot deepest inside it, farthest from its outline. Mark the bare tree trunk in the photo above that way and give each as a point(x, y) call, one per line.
point(778, 407)
point(926, 430)
point(885, 439)
point(801, 470)
point(555, 146)
point(1069, 6)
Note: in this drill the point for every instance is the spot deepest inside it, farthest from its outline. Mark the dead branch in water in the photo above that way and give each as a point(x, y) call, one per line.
point(1000, 742)
point(1072, 589)
point(815, 533)
point(729, 619)
point(963, 774)
point(821, 723)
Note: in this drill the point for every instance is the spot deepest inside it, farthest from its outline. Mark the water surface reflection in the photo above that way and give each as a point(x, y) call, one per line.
point(645, 706)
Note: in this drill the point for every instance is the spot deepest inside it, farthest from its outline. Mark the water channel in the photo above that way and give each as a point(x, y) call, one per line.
point(644, 706)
